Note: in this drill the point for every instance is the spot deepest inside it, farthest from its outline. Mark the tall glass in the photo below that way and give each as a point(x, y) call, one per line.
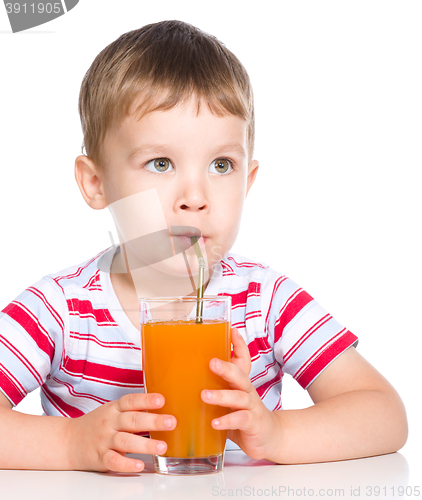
point(180, 335)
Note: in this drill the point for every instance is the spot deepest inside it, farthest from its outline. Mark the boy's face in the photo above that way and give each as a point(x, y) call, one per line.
point(198, 164)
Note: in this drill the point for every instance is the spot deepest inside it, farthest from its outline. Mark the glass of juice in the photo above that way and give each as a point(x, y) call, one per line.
point(180, 335)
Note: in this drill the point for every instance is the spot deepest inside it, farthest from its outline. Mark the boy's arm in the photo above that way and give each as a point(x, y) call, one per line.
point(357, 413)
point(97, 441)
point(30, 441)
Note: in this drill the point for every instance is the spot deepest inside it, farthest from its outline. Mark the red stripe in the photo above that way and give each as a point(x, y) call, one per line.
point(92, 338)
point(240, 324)
point(324, 356)
point(50, 308)
point(104, 374)
point(17, 312)
point(289, 312)
point(64, 408)
point(238, 306)
point(264, 388)
point(80, 269)
point(59, 410)
point(253, 314)
point(317, 353)
point(239, 299)
point(263, 373)
point(277, 285)
point(23, 359)
point(93, 281)
point(83, 308)
point(12, 389)
point(13, 380)
point(304, 337)
point(227, 270)
point(254, 288)
point(278, 405)
point(247, 264)
point(259, 346)
point(72, 392)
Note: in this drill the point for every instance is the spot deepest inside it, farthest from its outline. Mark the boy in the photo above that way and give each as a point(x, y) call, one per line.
point(168, 122)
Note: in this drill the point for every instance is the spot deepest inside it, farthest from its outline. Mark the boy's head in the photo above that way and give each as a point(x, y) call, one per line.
point(156, 68)
point(168, 121)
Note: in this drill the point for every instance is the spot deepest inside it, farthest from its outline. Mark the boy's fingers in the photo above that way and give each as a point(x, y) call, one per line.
point(241, 420)
point(234, 375)
point(236, 400)
point(126, 442)
point(116, 462)
point(241, 356)
point(140, 402)
point(137, 421)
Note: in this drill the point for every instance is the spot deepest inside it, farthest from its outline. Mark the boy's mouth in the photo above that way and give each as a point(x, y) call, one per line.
point(181, 237)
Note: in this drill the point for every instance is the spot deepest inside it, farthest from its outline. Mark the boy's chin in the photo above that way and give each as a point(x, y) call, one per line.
point(167, 270)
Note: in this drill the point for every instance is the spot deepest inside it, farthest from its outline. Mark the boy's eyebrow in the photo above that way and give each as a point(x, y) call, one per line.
point(145, 149)
point(232, 148)
point(161, 149)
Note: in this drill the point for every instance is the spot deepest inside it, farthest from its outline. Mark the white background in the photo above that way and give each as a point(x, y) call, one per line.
point(336, 205)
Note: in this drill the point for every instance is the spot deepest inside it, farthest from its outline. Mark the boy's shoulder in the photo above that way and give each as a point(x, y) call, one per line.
point(84, 275)
point(58, 291)
point(242, 273)
point(256, 280)
point(239, 266)
point(235, 264)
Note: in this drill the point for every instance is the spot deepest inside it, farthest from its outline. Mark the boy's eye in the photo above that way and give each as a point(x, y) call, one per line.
point(221, 166)
point(159, 165)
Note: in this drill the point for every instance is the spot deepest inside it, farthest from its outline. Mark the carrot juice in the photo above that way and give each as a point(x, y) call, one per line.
point(176, 356)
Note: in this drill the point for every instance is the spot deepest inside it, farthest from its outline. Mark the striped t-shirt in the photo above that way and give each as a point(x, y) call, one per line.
point(69, 335)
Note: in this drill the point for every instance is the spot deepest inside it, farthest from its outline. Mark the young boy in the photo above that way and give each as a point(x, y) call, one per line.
point(168, 121)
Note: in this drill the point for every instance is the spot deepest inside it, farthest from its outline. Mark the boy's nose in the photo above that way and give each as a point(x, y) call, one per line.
point(192, 198)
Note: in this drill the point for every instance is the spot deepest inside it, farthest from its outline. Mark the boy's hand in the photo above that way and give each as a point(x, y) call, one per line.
point(100, 439)
point(251, 425)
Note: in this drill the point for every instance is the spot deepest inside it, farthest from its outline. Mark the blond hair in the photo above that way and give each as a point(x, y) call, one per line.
point(157, 67)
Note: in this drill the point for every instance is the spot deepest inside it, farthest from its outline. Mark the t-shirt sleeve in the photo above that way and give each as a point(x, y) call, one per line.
point(306, 337)
point(32, 330)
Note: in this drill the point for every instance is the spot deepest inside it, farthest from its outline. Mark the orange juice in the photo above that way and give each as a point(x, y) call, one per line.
point(176, 356)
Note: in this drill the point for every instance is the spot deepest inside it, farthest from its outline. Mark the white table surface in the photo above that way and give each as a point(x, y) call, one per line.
point(242, 477)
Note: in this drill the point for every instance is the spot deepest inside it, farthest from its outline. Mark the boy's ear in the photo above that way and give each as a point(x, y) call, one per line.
point(252, 171)
point(90, 183)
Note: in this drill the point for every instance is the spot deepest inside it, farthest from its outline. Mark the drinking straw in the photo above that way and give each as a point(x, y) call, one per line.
point(201, 279)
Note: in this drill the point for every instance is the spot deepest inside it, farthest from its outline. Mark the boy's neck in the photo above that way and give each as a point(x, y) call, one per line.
point(128, 293)
point(148, 281)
